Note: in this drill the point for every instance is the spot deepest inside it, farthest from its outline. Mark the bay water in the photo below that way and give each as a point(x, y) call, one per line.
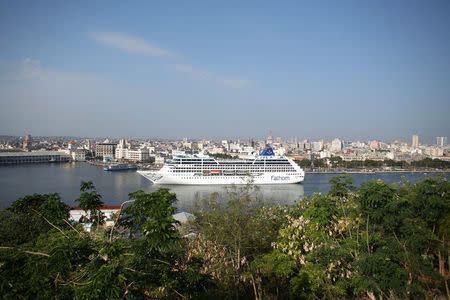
point(19, 180)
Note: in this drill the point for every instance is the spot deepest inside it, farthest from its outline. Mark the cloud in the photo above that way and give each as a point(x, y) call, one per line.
point(129, 43)
point(197, 74)
point(31, 68)
point(237, 83)
point(134, 44)
point(25, 70)
point(191, 72)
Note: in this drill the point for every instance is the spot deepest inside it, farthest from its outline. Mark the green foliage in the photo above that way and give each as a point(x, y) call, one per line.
point(338, 162)
point(159, 262)
point(151, 214)
point(29, 216)
point(378, 240)
point(341, 186)
point(304, 163)
point(238, 231)
point(335, 161)
point(374, 198)
point(91, 202)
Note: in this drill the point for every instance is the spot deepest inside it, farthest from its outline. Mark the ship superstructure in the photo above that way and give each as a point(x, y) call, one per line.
point(265, 168)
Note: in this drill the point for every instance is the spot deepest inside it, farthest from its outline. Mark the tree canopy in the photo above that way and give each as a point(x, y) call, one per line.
point(374, 241)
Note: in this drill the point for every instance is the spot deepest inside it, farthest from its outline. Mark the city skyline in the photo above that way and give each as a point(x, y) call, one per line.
point(270, 138)
point(353, 70)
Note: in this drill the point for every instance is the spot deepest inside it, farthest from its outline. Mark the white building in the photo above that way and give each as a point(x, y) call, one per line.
point(317, 146)
point(78, 155)
point(159, 160)
point(124, 151)
point(436, 151)
point(441, 141)
point(415, 141)
point(280, 151)
point(142, 154)
point(325, 154)
point(336, 145)
point(226, 145)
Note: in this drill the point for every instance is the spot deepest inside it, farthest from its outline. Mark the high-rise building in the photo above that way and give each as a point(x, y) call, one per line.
point(270, 139)
point(415, 141)
point(317, 146)
point(336, 145)
point(441, 141)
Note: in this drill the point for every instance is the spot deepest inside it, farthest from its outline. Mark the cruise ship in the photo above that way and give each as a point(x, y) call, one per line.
point(266, 168)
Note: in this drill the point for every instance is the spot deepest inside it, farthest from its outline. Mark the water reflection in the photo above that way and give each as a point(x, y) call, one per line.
point(20, 180)
point(187, 194)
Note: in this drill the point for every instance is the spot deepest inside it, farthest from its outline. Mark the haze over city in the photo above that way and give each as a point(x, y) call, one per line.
point(352, 69)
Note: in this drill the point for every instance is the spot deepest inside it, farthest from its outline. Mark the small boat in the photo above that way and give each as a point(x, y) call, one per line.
point(120, 167)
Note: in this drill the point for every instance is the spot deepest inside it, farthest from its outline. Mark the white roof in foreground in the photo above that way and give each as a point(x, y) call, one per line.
point(183, 217)
point(37, 153)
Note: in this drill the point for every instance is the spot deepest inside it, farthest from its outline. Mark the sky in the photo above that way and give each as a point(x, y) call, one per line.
point(357, 70)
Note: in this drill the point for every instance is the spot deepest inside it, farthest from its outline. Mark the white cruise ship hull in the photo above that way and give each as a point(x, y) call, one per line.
point(204, 170)
point(190, 179)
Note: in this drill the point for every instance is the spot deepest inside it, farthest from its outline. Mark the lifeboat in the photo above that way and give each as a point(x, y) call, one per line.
point(215, 172)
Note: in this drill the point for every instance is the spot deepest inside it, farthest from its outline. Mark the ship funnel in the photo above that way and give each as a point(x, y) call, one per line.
point(267, 152)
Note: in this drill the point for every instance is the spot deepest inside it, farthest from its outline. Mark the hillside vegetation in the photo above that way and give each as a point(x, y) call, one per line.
point(375, 241)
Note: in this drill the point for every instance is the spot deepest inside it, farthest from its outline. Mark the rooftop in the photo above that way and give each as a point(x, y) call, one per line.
point(38, 153)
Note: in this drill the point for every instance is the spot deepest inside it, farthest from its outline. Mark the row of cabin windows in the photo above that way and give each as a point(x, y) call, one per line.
point(193, 171)
point(233, 167)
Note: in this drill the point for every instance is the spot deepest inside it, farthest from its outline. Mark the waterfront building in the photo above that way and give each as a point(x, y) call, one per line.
point(72, 145)
point(142, 154)
point(102, 149)
point(159, 160)
point(415, 141)
point(122, 149)
point(78, 155)
point(33, 157)
point(88, 145)
point(441, 141)
point(27, 143)
point(108, 158)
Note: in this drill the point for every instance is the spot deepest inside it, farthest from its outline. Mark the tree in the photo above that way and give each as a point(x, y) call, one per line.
point(304, 163)
point(232, 235)
point(31, 215)
point(159, 261)
point(91, 203)
point(336, 161)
